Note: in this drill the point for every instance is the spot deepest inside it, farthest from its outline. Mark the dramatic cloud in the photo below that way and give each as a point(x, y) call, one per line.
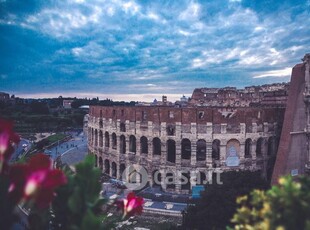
point(276, 73)
point(121, 47)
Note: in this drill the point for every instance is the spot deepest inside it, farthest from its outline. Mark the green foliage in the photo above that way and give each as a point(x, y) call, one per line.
point(28, 121)
point(42, 143)
point(49, 140)
point(39, 107)
point(286, 206)
point(217, 205)
point(77, 204)
point(95, 101)
point(56, 137)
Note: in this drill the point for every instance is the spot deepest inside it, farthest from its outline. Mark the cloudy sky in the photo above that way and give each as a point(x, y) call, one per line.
point(134, 49)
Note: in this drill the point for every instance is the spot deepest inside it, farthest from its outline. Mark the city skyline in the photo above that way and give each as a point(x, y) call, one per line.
point(132, 50)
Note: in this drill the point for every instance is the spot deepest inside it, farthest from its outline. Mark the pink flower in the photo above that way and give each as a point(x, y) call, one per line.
point(131, 206)
point(7, 139)
point(4, 142)
point(35, 181)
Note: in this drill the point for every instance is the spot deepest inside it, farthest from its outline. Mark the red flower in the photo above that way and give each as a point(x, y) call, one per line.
point(7, 139)
point(35, 181)
point(131, 206)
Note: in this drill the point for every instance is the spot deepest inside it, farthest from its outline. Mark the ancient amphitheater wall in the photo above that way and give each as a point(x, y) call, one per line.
point(168, 140)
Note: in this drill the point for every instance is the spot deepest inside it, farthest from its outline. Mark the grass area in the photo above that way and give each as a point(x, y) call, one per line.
point(56, 137)
point(40, 145)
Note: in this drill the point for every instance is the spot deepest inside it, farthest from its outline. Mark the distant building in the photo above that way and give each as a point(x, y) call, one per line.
point(67, 104)
point(155, 102)
point(4, 97)
point(183, 102)
point(164, 99)
point(184, 99)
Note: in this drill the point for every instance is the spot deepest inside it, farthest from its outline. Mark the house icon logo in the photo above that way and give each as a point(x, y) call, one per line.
point(135, 177)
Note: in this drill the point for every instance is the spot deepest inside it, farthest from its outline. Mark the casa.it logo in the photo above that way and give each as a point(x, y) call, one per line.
point(135, 177)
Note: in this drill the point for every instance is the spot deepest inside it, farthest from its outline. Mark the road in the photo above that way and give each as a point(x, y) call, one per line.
point(22, 146)
point(72, 151)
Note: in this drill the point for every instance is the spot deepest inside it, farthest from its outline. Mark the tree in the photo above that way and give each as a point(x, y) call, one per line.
point(286, 206)
point(39, 108)
point(217, 205)
point(42, 143)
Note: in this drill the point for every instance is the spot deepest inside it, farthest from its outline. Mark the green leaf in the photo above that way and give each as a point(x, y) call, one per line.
point(90, 221)
point(76, 202)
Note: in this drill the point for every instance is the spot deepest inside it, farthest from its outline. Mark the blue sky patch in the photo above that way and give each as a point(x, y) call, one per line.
point(138, 48)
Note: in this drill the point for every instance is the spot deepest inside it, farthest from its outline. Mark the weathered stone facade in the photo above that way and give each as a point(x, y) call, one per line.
point(253, 96)
point(170, 140)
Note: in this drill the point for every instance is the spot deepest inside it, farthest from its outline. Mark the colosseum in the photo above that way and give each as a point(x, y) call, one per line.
point(167, 139)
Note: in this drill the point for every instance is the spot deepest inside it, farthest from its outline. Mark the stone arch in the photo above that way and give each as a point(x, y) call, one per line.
point(156, 146)
point(122, 144)
point(234, 143)
point(96, 137)
point(122, 168)
point(201, 178)
point(260, 147)
point(247, 148)
point(171, 151)
point(144, 145)
point(122, 127)
point(201, 150)
point(114, 170)
point(100, 138)
point(107, 166)
point(170, 180)
point(186, 149)
point(233, 153)
point(187, 184)
point(106, 139)
point(157, 178)
point(100, 163)
point(114, 141)
point(170, 130)
point(132, 144)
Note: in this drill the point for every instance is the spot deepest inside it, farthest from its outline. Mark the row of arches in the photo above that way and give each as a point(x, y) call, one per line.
point(168, 179)
point(110, 169)
point(263, 147)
